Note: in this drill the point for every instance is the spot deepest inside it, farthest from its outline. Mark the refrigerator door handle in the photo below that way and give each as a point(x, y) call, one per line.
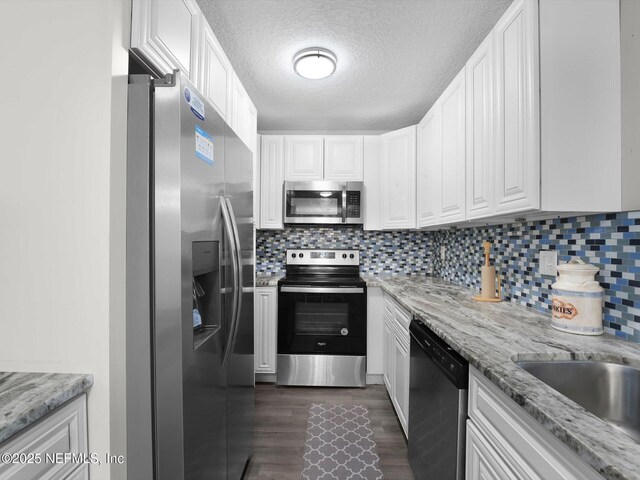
point(229, 231)
point(238, 287)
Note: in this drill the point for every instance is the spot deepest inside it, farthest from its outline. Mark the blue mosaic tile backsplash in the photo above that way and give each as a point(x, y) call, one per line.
point(403, 251)
point(609, 241)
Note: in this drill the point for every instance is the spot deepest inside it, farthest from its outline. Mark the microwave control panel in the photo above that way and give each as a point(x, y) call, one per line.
point(353, 204)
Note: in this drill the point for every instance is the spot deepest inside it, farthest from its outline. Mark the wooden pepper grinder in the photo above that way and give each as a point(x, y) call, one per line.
point(488, 282)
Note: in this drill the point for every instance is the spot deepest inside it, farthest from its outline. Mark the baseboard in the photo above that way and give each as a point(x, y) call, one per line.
point(265, 378)
point(372, 378)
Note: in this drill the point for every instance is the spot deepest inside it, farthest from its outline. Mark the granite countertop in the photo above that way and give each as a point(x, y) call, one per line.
point(27, 397)
point(492, 335)
point(268, 280)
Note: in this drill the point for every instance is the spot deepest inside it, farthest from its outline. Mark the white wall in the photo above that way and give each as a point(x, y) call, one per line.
point(62, 157)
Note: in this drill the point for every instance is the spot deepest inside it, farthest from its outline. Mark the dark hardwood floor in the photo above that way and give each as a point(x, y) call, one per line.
point(281, 423)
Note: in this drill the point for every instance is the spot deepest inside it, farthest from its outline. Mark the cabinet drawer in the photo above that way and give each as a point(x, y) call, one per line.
point(532, 452)
point(62, 431)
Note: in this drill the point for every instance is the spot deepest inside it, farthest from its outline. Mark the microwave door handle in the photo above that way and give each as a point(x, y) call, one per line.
point(238, 287)
point(344, 203)
point(228, 229)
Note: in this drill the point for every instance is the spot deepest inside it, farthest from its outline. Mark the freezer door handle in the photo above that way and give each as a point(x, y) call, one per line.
point(231, 238)
point(238, 286)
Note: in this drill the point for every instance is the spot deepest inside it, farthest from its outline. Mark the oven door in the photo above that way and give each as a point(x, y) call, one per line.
point(322, 320)
point(314, 202)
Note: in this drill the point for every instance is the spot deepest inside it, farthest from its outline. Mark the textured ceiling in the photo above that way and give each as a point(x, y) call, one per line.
point(395, 57)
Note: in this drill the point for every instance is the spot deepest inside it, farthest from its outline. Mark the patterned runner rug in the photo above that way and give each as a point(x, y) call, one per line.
point(340, 444)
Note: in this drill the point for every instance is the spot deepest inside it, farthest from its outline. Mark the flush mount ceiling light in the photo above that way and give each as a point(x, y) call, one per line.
point(314, 63)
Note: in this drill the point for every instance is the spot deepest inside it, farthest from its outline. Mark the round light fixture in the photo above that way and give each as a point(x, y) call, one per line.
point(314, 63)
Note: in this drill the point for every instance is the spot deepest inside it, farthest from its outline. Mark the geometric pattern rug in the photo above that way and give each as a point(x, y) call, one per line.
point(340, 444)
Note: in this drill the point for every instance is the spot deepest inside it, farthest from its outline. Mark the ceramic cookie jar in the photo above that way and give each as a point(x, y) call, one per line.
point(576, 301)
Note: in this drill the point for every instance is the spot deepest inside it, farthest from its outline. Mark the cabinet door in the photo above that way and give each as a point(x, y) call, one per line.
point(483, 462)
point(216, 73)
point(303, 157)
point(517, 150)
point(265, 337)
point(480, 131)
point(81, 473)
point(375, 331)
point(398, 182)
point(241, 115)
point(271, 181)
point(401, 377)
point(165, 35)
point(251, 125)
point(452, 167)
point(429, 160)
point(389, 346)
point(343, 157)
point(372, 168)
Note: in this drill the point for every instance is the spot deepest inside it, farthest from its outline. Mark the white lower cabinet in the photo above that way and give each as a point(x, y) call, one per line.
point(396, 358)
point(483, 462)
point(81, 473)
point(401, 377)
point(375, 334)
point(63, 431)
point(265, 329)
point(389, 342)
point(504, 442)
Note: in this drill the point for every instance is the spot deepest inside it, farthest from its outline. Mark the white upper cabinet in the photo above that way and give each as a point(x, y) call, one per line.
point(174, 34)
point(372, 167)
point(243, 114)
point(480, 132)
point(398, 179)
point(429, 159)
point(452, 167)
point(517, 151)
point(343, 157)
point(271, 179)
point(165, 34)
point(216, 73)
point(304, 158)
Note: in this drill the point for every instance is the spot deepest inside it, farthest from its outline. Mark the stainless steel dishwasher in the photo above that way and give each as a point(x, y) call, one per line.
point(439, 379)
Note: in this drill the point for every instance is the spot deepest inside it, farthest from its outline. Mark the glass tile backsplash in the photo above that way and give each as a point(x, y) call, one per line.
point(609, 241)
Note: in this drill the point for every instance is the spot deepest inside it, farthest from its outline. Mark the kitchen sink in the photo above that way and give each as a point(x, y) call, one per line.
point(608, 390)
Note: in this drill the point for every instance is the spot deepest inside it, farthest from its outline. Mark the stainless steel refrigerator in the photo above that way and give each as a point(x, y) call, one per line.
point(189, 344)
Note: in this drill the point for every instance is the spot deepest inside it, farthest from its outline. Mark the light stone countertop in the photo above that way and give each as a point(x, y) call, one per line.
point(268, 280)
point(492, 335)
point(27, 397)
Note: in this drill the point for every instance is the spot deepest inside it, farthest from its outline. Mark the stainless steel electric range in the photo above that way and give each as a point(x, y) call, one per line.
point(322, 319)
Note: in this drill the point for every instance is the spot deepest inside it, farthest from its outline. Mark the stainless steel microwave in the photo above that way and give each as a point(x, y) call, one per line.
point(323, 202)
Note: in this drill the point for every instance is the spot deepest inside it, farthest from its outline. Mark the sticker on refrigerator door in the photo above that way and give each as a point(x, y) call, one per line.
point(204, 146)
point(194, 101)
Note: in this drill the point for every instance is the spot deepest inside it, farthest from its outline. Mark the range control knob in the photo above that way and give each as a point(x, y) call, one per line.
point(344, 255)
point(352, 256)
point(301, 255)
point(293, 255)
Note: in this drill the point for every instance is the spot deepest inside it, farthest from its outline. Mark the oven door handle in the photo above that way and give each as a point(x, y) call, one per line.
point(287, 289)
